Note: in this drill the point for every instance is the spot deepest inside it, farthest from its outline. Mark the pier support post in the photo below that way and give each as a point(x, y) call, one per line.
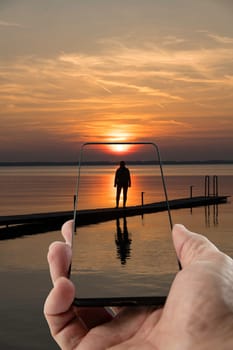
point(215, 186)
point(207, 186)
point(142, 199)
point(191, 191)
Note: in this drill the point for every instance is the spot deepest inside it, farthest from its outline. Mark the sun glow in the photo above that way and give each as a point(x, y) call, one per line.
point(120, 148)
point(118, 142)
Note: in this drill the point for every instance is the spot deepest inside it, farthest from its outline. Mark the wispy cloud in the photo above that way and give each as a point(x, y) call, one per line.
point(173, 40)
point(9, 24)
point(221, 39)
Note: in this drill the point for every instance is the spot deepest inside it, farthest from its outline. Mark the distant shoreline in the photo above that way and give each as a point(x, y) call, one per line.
point(92, 163)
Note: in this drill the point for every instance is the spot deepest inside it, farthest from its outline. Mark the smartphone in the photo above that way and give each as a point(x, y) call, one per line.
point(122, 249)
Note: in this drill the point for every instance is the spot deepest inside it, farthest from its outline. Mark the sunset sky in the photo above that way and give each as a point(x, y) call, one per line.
point(73, 71)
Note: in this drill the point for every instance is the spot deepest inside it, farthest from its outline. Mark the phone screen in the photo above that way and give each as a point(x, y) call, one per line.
point(123, 252)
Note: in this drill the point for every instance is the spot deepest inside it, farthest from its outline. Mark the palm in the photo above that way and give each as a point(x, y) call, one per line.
point(131, 327)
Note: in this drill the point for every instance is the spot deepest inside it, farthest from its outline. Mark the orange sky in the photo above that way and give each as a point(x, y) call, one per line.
point(116, 71)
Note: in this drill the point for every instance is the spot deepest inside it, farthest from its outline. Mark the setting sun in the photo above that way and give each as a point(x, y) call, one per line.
point(118, 142)
point(120, 148)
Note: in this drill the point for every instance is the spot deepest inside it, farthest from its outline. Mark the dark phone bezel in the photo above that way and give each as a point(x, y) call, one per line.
point(120, 301)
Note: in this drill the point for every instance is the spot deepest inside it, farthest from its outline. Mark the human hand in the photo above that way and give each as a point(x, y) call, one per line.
point(198, 313)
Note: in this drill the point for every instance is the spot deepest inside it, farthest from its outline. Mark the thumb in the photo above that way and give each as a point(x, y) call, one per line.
point(190, 246)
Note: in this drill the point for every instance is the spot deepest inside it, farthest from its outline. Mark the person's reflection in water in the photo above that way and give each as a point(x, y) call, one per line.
point(123, 241)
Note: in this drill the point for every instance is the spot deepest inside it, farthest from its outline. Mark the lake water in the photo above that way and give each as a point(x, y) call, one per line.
point(48, 189)
point(23, 263)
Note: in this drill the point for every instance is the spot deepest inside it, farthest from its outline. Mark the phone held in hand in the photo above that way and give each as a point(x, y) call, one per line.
point(122, 249)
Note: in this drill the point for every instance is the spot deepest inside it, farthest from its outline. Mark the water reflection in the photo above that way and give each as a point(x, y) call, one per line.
point(123, 241)
point(211, 214)
point(214, 215)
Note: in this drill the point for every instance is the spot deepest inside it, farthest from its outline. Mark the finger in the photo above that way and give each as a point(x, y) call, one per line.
point(59, 259)
point(67, 231)
point(66, 328)
point(191, 246)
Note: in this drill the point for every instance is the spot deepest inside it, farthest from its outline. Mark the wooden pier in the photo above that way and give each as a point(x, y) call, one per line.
point(18, 225)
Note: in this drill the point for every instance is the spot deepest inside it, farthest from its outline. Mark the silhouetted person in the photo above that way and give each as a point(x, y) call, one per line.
point(122, 181)
point(122, 241)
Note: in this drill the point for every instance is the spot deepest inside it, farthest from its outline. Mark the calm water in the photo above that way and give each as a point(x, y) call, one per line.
point(44, 189)
point(23, 263)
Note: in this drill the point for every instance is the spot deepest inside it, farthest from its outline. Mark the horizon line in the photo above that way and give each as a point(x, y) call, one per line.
point(139, 162)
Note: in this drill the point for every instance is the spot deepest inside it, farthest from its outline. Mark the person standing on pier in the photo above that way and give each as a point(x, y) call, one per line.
point(122, 181)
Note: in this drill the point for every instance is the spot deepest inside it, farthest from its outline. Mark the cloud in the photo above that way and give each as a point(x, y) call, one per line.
point(146, 71)
point(173, 40)
point(9, 24)
point(221, 39)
